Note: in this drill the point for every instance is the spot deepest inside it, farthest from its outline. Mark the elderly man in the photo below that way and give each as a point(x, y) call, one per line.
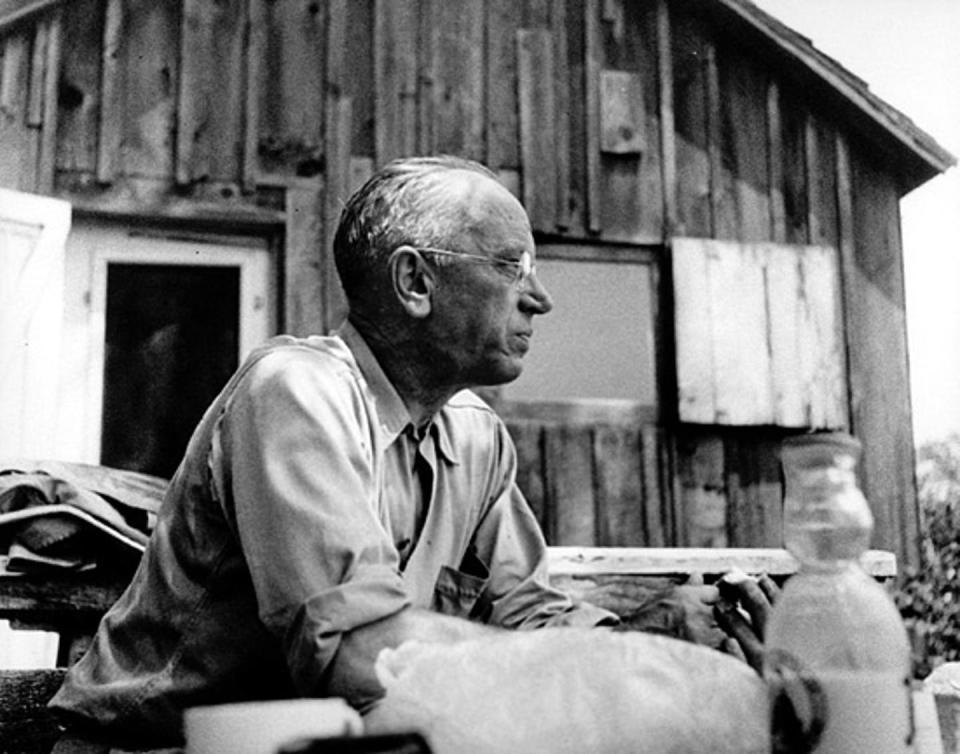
point(345, 493)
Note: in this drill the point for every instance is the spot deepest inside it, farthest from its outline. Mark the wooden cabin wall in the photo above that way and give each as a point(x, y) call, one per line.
point(615, 121)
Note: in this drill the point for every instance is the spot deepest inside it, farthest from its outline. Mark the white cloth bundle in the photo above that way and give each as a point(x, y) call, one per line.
point(560, 690)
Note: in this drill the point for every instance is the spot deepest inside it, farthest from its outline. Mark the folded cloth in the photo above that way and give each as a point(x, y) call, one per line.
point(55, 514)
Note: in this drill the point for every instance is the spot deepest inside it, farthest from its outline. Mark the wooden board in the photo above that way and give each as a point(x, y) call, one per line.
point(504, 18)
point(396, 24)
point(458, 78)
point(768, 316)
point(292, 106)
point(650, 561)
point(691, 135)
point(16, 169)
point(876, 321)
point(80, 108)
point(569, 473)
point(538, 145)
point(619, 486)
point(212, 92)
point(528, 439)
point(110, 135)
point(744, 147)
point(148, 56)
point(303, 303)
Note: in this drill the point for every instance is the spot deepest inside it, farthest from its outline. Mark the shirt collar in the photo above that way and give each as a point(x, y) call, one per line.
point(393, 413)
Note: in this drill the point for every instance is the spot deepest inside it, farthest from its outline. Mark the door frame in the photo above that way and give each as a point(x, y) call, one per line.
point(91, 249)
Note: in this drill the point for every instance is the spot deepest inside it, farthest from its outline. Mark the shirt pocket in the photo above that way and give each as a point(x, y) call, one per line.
point(458, 590)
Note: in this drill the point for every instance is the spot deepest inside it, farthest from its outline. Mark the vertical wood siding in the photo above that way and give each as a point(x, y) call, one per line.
point(137, 103)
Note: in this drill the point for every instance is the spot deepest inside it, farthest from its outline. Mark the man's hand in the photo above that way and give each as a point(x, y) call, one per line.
point(742, 612)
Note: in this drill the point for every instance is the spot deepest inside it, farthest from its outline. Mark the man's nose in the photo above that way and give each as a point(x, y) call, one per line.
point(535, 295)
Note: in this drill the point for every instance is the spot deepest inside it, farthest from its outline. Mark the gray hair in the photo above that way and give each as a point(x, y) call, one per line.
point(405, 202)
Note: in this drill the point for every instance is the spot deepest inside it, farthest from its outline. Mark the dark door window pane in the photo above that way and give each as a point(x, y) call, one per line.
point(171, 345)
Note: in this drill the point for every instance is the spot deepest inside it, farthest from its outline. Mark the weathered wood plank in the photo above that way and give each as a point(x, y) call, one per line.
point(754, 490)
point(741, 351)
point(810, 164)
point(528, 439)
point(745, 144)
point(593, 49)
point(619, 486)
point(504, 19)
point(722, 225)
point(696, 390)
point(110, 136)
point(292, 99)
point(303, 300)
point(622, 117)
point(537, 137)
point(575, 117)
point(825, 176)
point(80, 107)
point(46, 160)
point(569, 470)
point(691, 139)
point(536, 13)
point(253, 56)
point(458, 74)
point(793, 122)
point(357, 71)
point(35, 105)
point(820, 341)
point(629, 182)
point(396, 24)
point(37, 74)
point(667, 561)
point(16, 171)
point(640, 23)
point(768, 316)
point(668, 145)
point(778, 213)
point(149, 57)
point(558, 30)
point(338, 146)
point(426, 77)
point(212, 92)
point(656, 501)
point(336, 192)
point(876, 331)
point(703, 502)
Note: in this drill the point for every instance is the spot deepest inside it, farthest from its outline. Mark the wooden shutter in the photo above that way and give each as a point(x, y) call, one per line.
point(759, 331)
point(33, 233)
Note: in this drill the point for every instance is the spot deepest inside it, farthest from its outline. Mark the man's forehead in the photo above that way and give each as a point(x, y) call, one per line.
point(484, 200)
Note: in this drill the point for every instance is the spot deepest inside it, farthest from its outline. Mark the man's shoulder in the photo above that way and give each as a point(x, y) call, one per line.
point(315, 348)
point(285, 358)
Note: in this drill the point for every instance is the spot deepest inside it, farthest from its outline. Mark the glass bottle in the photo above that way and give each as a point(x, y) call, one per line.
point(837, 657)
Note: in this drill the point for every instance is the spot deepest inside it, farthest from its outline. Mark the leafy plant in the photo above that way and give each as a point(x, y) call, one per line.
point(929, 596)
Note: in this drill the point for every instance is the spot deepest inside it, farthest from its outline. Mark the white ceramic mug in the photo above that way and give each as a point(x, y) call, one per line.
point(263, 727)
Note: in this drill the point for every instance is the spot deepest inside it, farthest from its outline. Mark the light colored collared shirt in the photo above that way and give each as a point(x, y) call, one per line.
point(307, 505)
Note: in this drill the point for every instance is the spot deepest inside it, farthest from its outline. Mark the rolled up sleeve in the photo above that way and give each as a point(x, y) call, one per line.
point(297, 447)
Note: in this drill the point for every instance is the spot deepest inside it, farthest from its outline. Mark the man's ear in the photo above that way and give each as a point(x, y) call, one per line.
point(413, 281)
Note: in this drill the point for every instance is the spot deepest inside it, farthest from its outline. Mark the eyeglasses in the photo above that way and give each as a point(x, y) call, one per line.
point(524, 266)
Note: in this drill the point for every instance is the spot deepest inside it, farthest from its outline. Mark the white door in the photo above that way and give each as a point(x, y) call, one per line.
point(33, 231)
point(155, 322)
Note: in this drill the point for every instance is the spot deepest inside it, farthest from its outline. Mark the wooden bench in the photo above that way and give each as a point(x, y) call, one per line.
point(614, 578)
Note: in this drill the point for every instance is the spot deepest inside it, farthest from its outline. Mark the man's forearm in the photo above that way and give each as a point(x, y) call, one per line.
point(351, 674)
